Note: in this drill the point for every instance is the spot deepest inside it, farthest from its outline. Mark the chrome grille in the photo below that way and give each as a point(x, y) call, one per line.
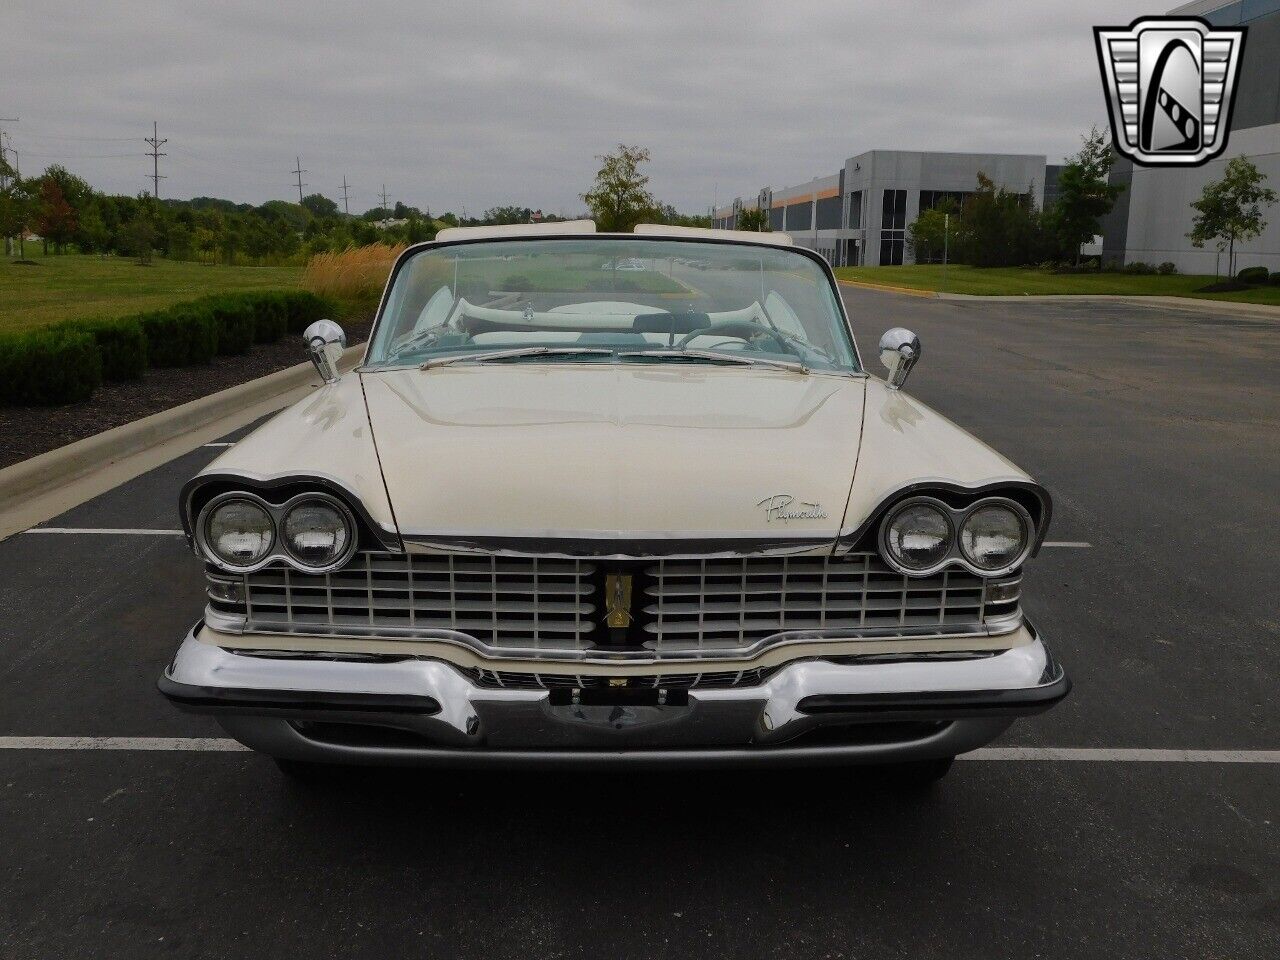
point(501, 601)
point(679, 606)
point(706, 604)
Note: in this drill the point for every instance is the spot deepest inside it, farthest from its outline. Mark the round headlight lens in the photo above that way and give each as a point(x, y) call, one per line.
point(239, 533)
point(316, 533)
point(918, 536)
point(993, 537)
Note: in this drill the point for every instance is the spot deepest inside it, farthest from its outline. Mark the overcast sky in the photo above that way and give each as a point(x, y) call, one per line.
point(482, 103)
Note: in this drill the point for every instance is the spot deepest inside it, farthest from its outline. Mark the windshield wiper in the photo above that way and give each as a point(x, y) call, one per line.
point(484, 356)
point(749, 360)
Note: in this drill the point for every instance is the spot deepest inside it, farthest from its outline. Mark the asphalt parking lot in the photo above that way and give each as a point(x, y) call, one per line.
point(1158, 433)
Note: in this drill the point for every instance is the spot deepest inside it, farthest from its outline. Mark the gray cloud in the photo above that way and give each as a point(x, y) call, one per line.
point(482, 103)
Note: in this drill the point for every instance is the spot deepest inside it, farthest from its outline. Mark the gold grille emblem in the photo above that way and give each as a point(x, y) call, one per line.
point(617, 600)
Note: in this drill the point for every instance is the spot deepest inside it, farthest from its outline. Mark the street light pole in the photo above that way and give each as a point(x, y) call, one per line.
point(946, 243)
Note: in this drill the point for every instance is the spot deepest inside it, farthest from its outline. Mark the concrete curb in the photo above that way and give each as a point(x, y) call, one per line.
point(1198, 304)
point(890, 288)
point(57, 468)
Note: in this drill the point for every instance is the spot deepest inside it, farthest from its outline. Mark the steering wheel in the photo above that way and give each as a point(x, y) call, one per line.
point(742, 329)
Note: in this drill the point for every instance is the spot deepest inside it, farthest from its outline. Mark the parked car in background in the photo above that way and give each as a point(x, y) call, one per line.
point(676, 525)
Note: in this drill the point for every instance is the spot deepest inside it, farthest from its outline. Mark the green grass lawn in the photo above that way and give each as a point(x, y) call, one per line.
point(1016, 281)
point(73, 285)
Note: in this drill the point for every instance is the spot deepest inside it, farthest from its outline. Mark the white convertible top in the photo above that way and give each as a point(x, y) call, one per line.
point(561, 228)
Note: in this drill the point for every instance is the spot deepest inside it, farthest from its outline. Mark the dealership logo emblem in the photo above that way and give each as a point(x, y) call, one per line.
point(1170, 82)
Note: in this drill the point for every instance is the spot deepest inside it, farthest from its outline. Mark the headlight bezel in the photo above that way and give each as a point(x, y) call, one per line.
point(955, 556)
point(343, 512)
point(279, 551)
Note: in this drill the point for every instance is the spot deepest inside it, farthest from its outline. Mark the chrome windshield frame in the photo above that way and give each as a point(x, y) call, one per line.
point(409, 252)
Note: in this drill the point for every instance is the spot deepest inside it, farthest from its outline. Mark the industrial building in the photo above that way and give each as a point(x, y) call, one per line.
point(859, 216)
point(1153, 215)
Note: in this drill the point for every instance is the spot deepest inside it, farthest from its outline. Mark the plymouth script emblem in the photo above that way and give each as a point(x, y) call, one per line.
point(784, 508)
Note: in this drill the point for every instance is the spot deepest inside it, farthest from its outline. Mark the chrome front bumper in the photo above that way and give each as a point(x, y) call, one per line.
point(420, 711)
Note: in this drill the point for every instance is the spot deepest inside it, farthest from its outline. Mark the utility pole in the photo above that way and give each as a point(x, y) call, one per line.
point(385, 208)
point(346, 207)
point(3, 179)
point(946, 244)
point(156, 144)
point(298, 172)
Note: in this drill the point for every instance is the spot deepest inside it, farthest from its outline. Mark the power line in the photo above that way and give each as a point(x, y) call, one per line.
point(298, 171)
point(156, 144)
point(346, 208)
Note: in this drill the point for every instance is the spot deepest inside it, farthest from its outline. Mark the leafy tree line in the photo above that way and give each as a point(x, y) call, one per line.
point(996, 227)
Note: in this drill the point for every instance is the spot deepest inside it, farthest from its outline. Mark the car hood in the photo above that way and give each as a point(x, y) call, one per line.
point(615, 459)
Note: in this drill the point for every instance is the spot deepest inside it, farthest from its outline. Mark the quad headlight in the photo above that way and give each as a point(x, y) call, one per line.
point(316, 533)
point(313, 532)
point(994, 536)
point(238, 532)
point(918, 535)
point(921, 535)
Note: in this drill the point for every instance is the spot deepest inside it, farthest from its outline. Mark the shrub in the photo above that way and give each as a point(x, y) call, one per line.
point(1139, 267)
point(1252, 275)
point(1274, 279)
point(47, 367)
point(1166, 268)
point(184, 335)
point(121, 344)
point(303, 308)
point(270, 316)
point(234, 318)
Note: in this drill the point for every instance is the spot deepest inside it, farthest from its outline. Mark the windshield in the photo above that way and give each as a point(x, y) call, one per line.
point(654, 301)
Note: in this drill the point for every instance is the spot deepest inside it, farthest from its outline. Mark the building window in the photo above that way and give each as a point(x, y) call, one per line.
point(855, 210)
point(931, 198)
point(893, 223)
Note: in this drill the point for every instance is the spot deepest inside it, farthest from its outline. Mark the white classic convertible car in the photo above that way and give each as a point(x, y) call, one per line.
point(569, 515)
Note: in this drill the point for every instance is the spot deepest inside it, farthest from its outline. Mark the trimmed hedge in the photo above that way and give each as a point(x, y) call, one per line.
point(65, 363)
point(47, 367)
point(121, 344)
point(1252, 275)
point(185, 335)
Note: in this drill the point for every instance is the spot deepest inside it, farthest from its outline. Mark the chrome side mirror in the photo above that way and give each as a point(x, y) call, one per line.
point(899, 351)
point(325, 343)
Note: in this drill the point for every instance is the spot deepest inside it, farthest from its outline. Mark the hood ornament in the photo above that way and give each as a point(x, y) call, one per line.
point(784, 508)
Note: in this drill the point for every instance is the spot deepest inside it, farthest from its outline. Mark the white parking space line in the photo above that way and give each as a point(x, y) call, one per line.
point(1066, 543)
point(196, 744)
point(220, 444)
point(1105, 755)
point(1087, 754)
point(107, 531)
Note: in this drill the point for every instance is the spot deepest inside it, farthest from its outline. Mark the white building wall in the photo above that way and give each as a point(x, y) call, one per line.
point(1160, 210)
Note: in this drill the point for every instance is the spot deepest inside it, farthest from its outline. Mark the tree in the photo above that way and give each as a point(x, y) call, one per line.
point(508, 215)
point(15, 205)
point(620, 198)
point(755, 219)
point(320, 205)
point(1084, 195)
point(137, 239)
point(55, 219)
point(932, 234)
point(1230, 209)
point(1001, 227)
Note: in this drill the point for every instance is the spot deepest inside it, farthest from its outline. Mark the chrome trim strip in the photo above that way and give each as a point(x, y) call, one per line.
point(621, 545)
point(235, 625)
